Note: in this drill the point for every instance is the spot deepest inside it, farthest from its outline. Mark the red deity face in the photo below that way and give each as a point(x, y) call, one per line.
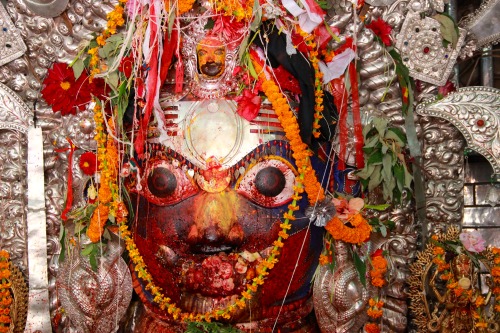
point(203, 232)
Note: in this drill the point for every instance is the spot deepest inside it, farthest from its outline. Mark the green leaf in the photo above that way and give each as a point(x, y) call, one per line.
point(397, 135)
point(375, 179)
point(448, 27)
point(383, 230)
point(399, 173)
point(257, 12)
point(93, 261)
point(387, 167)
point(78, 68)
point(375, 158)
point(88, 249)
point(381, 207)
point(210, 24)
point(371, 142)
point(366, 172)
point(360, 267)
point(380, 124)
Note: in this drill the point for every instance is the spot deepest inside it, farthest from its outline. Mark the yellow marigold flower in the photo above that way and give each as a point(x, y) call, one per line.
point(246, 295)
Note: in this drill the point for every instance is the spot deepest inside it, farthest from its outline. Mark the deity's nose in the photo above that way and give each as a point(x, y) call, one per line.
point(215, 227)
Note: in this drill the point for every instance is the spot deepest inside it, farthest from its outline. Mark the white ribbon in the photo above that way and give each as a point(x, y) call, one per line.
point(38, 302)
point(310, 16)
point(337, 66)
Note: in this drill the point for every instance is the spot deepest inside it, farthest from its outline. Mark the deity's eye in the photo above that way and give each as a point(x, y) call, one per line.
point(269, 182)
point(162, 182)
point(165, 184)
point(201, 53)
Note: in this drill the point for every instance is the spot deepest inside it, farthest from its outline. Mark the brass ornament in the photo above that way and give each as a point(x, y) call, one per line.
point(436, 308)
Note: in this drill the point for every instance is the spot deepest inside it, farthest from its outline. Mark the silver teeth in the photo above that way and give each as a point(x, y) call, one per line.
point(166, 256)
point(197, 303)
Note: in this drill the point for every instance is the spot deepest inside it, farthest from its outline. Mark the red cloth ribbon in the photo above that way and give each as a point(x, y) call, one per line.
point(69, 197)
point(151, 81)
point(356, 116)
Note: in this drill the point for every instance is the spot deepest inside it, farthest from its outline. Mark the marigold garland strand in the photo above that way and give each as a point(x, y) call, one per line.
point(5, 293)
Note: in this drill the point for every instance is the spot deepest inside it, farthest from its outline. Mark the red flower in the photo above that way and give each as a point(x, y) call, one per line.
point(446, 89)
point(88, 163)
point(230, 29)
point(127, 65)
point(248, 104)
point(63, 92)
point(382, 29)
point(377, 253)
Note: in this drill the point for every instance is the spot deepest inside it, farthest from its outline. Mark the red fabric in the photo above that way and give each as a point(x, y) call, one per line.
point(356, 116)
point(169, 47)
point(151, 82)
point(69, 197)
point(340, 98)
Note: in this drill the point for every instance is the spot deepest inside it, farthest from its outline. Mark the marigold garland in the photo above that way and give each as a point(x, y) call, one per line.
point(358, 234)
point(108, 197)
point(312, 46)
point(288, 121)
point(240, 10)
point(5, 294)
point(495, 273)
point(115, 20)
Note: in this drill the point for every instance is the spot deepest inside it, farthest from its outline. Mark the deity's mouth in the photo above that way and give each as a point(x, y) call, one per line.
point(214, 277)
point(212, 68)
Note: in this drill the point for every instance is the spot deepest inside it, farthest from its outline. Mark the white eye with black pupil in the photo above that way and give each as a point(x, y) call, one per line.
point(270, 181)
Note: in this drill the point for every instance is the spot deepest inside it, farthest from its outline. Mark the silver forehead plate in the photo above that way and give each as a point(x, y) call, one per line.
point(199, 130)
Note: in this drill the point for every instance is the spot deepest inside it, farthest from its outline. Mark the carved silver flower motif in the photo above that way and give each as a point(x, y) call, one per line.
point(480, 123)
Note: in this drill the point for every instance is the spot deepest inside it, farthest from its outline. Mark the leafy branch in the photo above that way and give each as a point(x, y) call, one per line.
point(385, 160)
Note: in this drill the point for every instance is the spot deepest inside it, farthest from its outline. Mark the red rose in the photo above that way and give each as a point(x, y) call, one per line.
point(88, 163)
point(446, 89)
point(248, 104)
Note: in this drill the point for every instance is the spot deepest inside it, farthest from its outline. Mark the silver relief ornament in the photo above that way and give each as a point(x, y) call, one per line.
point(11, 43)
point(420, 44)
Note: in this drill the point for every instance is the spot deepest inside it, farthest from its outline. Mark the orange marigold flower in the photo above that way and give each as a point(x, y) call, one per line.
point(372, 328)
point(323, 260)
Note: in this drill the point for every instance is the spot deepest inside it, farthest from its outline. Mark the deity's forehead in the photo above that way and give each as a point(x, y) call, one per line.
point(210, 42)
point(205, 129)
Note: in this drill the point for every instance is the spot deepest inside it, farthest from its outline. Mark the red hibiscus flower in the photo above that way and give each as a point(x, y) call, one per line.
point(248, 104)
point(382, 29)
point(88, 163)
point(63, 92)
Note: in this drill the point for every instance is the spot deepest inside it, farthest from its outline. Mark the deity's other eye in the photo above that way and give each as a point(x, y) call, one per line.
point(269, 182)
point(219, 52)
point(165, 184)
point(201, 53)
point(162, 182)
